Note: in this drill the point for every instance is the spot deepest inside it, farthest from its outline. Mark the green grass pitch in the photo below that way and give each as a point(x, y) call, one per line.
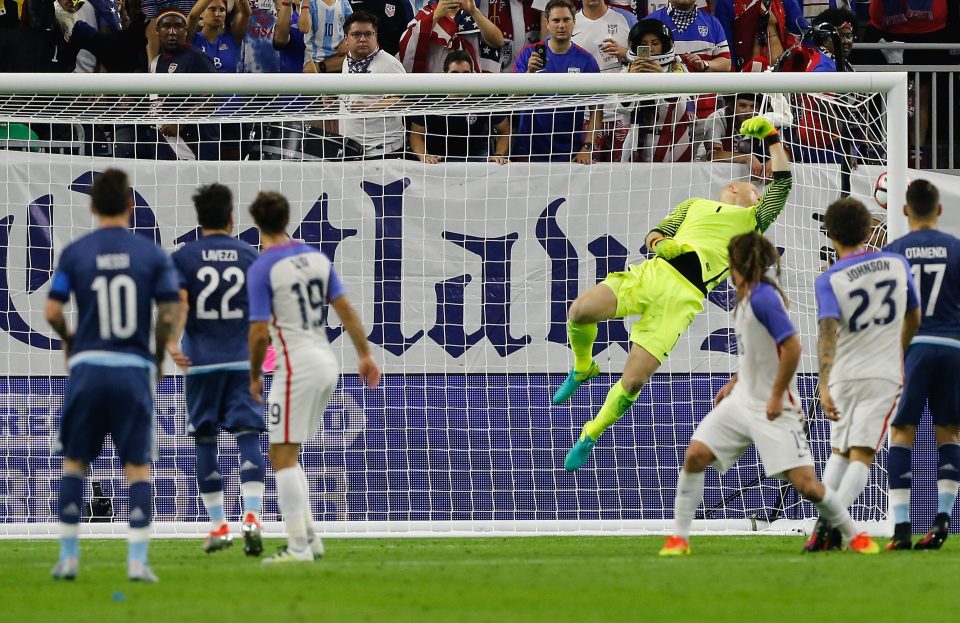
point(735, 579)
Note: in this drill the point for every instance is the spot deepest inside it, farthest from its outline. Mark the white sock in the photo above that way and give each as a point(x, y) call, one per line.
point(833, 472)
point(307, 509)
point(290, 498)
point(854, 481)
point(838, 516)
point(689, 496)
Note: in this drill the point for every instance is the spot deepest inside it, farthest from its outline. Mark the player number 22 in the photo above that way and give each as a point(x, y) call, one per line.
point(116, 306)
point(211, 279)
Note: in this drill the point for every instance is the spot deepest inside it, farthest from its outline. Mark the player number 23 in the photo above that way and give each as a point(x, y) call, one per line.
point(888, 307)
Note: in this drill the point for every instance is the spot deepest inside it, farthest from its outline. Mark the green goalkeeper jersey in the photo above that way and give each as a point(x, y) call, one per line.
point(707, 225)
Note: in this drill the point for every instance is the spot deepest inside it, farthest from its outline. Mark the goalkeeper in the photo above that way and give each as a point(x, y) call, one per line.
point(668, 290)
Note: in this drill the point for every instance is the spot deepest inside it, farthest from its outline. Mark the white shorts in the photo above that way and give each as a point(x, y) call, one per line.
point(732, 426)
point(299, 395)
point(865, 408)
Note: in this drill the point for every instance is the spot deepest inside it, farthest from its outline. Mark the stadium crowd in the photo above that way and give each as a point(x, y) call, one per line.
point(463, 36)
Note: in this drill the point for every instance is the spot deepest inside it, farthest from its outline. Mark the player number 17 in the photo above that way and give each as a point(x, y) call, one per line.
point(938, 271)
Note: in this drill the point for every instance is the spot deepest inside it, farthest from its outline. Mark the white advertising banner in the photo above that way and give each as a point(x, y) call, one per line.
point(454, 268)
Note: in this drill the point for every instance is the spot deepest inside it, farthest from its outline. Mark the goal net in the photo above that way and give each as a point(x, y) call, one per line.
point(462, 272)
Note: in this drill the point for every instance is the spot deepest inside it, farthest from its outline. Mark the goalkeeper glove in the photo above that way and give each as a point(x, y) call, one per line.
point(668, 248)
point(757, 127)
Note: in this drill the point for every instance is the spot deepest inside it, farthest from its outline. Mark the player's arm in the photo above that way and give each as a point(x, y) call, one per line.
point(167, 314)
point(774, 198)
point(53, 311)
point(789, 360)
point(173, 347)
point(257, 339)
point(827, 353)
point(660, 238)
point(241, 20)
point(911, 319)
point(366, 366)
point(725, 390)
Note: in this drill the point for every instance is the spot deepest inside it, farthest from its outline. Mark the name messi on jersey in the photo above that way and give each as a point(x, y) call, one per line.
point(220, 255)
point(866, 268)
point(113, 261)
point(926, 253)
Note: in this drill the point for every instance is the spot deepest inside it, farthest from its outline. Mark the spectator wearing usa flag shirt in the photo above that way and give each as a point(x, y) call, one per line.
point(760, 28)
point(444, 26)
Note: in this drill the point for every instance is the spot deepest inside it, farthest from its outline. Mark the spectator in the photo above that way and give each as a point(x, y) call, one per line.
point(842, 21)
point(627, 8)
point(646, 8)
point(445, 25)
point(377, 137)
point(172, 141)
point(392, 19)
point(460, 138)
point(603, 32)
point(763, 28)
point(914, 21)
point(258, 55)
point(519, 22)
point(661, 128)
point(557, 134)
point(699, 40)
point(119, 46)
point(151, 10)
point(288, 36)
point(222, 47)
point(723, 141)
point(323, 34)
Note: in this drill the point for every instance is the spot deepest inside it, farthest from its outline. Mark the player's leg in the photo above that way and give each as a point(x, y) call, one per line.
point(920, 371)
point(204, 397)
point(948, 462)
point(243, 417)
point(688, 497)
point(326, 383)
point(595, 305)
point(945, 409)
point(669, 304)
point(82, 429)
point(719, 440)
point(638, 369)
point(131, 422)
point(70, 505)
point(804, 480)
point(290, 499)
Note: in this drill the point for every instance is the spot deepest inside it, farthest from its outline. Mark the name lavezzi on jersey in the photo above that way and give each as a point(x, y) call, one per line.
point(868, 294)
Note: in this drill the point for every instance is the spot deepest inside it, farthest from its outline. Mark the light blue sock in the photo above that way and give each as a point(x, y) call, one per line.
point(70, 504)
point(948, 473)
point(900, 480)
point(138, 537)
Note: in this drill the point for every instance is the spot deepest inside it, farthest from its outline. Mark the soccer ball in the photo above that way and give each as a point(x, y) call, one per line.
point(880, 190)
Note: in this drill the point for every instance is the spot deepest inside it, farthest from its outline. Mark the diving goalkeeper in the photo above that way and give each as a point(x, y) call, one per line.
point(668, 290)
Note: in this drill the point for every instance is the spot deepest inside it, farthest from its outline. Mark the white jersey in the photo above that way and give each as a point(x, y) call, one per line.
point(381, 134)
point(289, 286)
point(762, 324)
point(868, 293)
point(590, 34)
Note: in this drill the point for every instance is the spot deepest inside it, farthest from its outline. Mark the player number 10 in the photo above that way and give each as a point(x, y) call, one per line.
point(116, 306)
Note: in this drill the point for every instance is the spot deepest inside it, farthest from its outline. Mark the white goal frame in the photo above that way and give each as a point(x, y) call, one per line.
point(892, 85)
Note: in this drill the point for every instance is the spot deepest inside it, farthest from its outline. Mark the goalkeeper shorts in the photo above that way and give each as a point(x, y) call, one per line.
point(666, 301)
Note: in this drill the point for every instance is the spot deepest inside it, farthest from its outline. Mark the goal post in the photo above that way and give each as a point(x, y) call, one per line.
point(461, 272)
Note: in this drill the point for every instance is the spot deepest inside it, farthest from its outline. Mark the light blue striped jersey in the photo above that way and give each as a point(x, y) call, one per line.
point(327, 28)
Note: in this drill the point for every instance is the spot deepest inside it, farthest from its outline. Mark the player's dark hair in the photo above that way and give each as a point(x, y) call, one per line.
point(848, 222)
point(271, 212)
point(923, 198)
point(566, 4)
point(361, 17)
point(110, 193)
point(751, 255)
point(214, 204)
point(457, 56)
